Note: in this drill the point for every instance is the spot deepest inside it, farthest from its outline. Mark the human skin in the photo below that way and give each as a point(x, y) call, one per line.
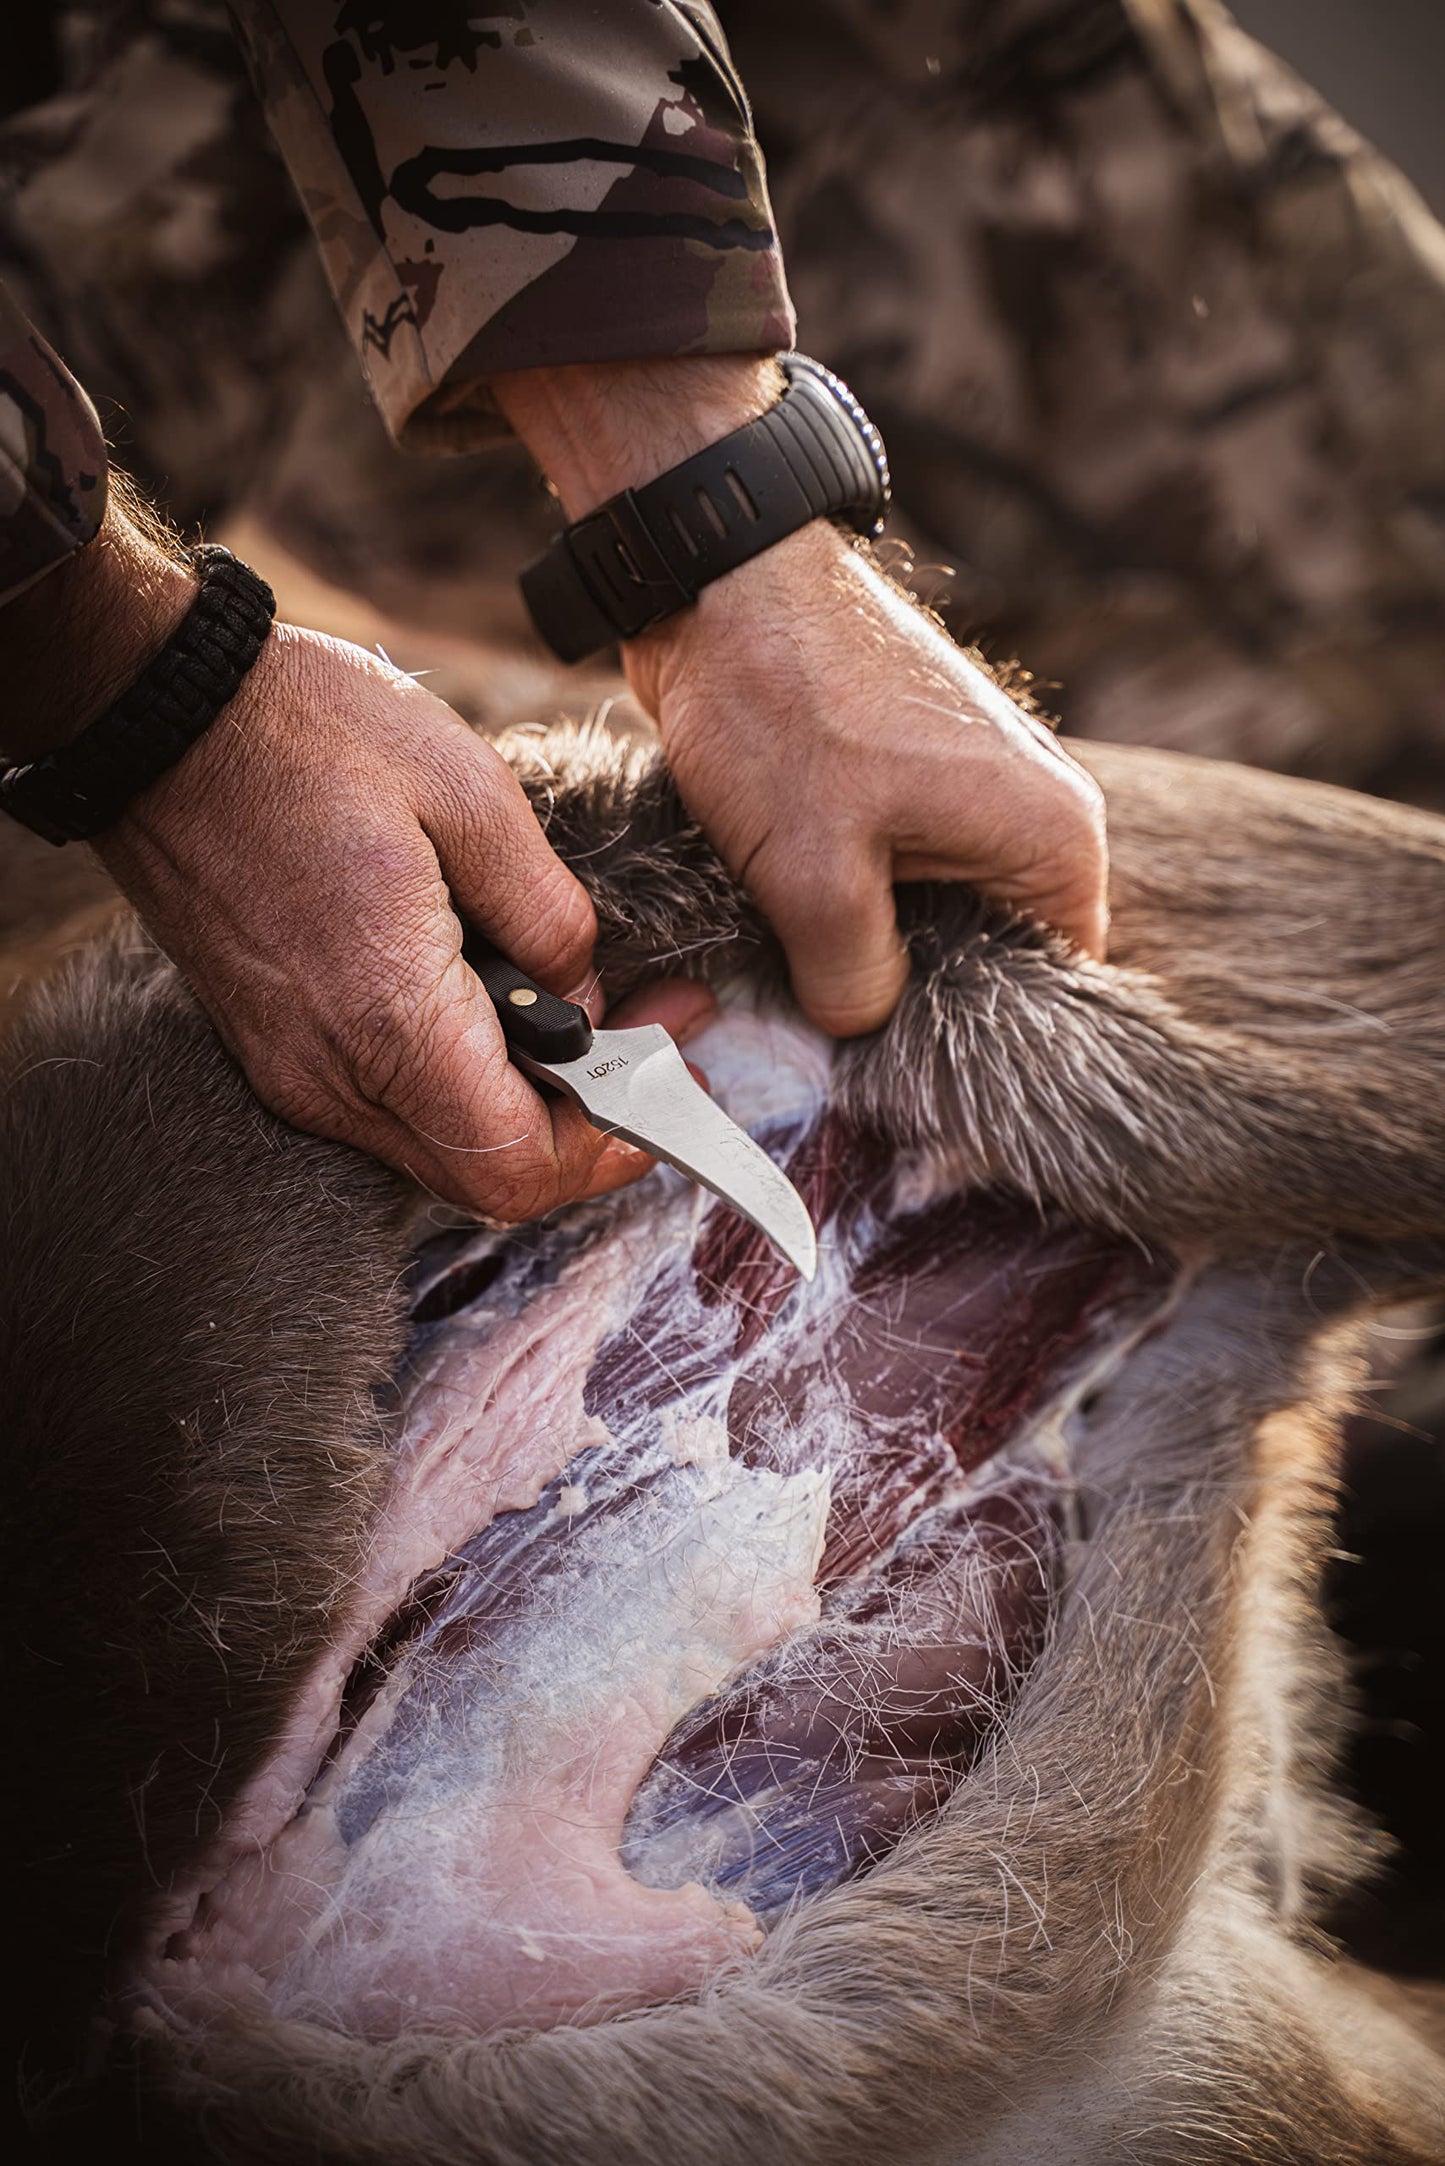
point(301, 862)
point(827, 736)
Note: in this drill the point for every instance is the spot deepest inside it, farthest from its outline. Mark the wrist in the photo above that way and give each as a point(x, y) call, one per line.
point(73, 642)
point(598, 428)
point(748, 619)
point(679, 476)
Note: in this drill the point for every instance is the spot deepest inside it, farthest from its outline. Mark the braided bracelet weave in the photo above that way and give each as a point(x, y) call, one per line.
point(82, 788)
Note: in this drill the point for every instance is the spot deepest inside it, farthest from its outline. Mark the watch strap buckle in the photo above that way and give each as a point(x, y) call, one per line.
point(604, 579)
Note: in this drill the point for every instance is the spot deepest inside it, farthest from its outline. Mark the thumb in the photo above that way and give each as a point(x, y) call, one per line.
point(839, 927)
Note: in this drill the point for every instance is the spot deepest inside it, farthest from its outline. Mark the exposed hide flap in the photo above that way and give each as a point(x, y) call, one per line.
point(1260, 1059)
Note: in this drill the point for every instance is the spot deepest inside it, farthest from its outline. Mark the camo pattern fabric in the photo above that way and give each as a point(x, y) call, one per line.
point(549, 181)
point(1157, 342)
point(52, 457)
point(537, 182)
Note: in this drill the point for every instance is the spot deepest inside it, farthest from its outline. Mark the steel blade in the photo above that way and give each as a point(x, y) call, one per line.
point(635, 1084)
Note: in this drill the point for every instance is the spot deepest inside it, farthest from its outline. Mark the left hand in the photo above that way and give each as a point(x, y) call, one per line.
point(831, 741)
point(826, 734)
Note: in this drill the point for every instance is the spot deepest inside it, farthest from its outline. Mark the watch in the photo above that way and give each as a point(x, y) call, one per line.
point(649, 552)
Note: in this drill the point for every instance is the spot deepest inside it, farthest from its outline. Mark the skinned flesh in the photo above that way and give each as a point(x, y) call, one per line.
point(694, 1589)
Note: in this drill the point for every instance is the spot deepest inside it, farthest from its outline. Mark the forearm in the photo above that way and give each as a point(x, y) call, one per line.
point(595, 430)
point(583, 190)
point(78, 636)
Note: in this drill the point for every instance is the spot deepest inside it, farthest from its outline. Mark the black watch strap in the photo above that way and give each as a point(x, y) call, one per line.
point(81, 788)
point(647, 553)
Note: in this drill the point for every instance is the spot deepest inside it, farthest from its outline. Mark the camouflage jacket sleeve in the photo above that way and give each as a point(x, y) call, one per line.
point(52, 457)
point(537, 182)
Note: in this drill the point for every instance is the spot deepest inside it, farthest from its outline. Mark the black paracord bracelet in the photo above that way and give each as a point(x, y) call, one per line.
point(82, 788)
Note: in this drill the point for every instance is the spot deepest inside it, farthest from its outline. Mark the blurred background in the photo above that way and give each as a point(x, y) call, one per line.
point(1157, 342)
point(1380, 63)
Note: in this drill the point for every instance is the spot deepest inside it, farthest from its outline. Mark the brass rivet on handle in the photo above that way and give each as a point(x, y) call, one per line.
point(522, 996)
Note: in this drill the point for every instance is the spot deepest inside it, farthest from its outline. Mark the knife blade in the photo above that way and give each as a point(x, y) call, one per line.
point(635, 1084)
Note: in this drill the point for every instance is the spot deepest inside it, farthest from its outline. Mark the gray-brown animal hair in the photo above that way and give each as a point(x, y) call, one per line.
point(1208, 1081)
point(1107, 1940)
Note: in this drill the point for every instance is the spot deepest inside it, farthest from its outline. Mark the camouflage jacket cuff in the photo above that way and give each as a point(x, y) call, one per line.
point(579, 184)
point(53, 465)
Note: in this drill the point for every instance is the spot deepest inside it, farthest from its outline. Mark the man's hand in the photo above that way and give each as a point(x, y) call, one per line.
point(827, 736)
point(301, 861)
point(831, 741)
point(300, 864)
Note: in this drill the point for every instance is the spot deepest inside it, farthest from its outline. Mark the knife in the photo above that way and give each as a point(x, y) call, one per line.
point(635, 1084)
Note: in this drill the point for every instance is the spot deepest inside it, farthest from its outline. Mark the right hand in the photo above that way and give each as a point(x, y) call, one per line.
point(299, 865)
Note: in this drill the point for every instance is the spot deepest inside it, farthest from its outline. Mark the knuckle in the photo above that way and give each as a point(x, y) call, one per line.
point(490, 839)
point(562, 1148)
point(862, 1000)
point(469, 789)
point(1070, 825)
point(392, 1042)
point(297, 1090)
point(1084, 847)
point(477, 801)
point(521, 1185)
point(516, 1205)
point(1091, 811)
point(812, 881)
point(564, 919)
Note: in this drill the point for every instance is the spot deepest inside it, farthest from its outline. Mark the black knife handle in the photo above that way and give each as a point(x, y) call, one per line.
point(533, 1021)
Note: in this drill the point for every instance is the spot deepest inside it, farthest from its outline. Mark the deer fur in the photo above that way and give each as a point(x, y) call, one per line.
point(1107, 1947)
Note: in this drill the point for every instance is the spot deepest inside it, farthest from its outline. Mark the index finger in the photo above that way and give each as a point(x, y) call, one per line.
point(441, 1101)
